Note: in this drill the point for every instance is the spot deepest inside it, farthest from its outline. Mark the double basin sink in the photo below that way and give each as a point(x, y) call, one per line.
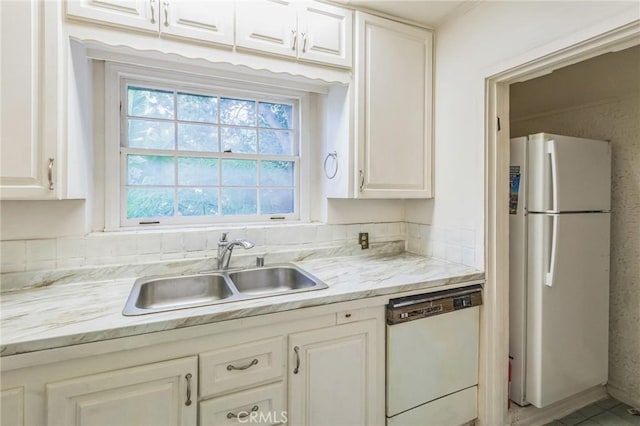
point(158, 294)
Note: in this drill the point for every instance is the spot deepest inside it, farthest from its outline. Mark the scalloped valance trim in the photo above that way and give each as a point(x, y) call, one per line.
point(142, 49)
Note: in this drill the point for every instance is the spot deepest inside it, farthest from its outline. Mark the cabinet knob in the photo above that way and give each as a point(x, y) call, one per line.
point(294, 39)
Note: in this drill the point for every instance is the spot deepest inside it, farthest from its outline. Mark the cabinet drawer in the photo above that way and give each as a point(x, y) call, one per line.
point(241, 366)
point(353, 315)
point(263, 405)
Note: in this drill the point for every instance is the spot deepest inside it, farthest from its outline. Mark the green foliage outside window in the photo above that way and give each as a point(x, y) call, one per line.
point(184, 165)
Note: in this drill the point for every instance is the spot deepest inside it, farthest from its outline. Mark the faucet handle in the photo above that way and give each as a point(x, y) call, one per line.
point(223, 237)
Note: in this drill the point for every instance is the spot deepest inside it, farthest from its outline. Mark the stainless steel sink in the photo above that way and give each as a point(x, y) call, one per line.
point(157, 294)
point(186, 291)
point(274, 280)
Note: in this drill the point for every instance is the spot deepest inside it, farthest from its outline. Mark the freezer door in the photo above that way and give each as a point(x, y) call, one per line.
point(568, 174)
point(567, 305)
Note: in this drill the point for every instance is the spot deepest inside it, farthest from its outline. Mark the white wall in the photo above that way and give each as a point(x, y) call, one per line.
point(490, 38)
point(609, 110)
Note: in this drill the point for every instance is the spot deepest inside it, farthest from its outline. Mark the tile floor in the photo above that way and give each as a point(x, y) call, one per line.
point(606, 412)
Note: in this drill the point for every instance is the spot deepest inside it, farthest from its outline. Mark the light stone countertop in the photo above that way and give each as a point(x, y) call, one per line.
point(89, 311)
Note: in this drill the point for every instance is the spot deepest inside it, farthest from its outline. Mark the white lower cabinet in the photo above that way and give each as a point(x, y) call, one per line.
point(12, 407)
point(163, 393)
point(299, 368)
point(332, 375)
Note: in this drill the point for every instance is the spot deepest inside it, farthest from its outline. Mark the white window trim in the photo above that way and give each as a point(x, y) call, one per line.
point(115, 73)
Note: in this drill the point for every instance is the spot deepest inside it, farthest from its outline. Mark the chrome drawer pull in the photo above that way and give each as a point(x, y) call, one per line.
point(231, 367)
point(242, 414)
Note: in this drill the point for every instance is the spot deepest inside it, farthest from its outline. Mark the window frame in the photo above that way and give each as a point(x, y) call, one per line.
point(118, 77)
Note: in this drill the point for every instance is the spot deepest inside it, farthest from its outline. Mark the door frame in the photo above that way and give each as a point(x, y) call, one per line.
point(494, 358)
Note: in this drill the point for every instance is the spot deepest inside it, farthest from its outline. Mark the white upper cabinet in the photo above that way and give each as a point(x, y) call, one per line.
point(192, 19)
point(139, 14)
point(267, 25)
point(44, 106)
point(29, 160)
point(198, 20)
point(325, 34)
point(393, 104)
point(308, 31)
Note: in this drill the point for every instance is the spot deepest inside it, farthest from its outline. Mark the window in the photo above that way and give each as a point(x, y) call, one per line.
point(189, 155)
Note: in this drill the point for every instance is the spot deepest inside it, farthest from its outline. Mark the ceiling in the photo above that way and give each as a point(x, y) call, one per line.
point(609, 76)
point(429, 13)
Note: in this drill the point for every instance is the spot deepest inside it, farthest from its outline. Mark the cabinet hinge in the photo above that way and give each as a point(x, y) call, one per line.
point(498, 123)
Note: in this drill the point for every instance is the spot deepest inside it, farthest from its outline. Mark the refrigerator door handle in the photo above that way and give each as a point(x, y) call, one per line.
point(553, 154)
point(553, 261)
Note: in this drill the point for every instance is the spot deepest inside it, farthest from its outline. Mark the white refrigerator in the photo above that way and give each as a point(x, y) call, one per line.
point(559, 266)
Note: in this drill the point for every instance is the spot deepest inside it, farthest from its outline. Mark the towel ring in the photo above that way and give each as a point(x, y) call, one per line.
point(333, 174)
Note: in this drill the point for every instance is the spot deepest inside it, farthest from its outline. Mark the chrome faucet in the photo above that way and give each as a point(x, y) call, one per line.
point(225, 248)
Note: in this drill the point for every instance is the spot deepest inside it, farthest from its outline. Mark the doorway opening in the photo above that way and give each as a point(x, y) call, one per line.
point(498, 128)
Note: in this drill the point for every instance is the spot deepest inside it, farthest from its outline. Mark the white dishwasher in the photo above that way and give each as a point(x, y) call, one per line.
point(432, 358)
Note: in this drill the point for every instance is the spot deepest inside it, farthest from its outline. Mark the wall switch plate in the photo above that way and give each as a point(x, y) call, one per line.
point(363, 240)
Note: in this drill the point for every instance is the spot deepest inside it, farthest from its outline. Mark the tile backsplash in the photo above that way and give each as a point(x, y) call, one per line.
point(452, 244)
point(137, 247)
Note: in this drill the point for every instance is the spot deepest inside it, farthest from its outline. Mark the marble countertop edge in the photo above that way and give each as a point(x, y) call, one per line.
point(53, 320)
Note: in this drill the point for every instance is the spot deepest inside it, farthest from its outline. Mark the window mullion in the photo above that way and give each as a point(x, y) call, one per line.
point(175, 154)
point(258, 186)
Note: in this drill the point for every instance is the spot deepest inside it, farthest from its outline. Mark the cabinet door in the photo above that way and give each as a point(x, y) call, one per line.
point(267, 25)
point(12, 407)
point(24, 153)
point(200, 20)
point(139, 14)
point(393, 109)
point(325, 34)
point(163, 393)
point(332, 376)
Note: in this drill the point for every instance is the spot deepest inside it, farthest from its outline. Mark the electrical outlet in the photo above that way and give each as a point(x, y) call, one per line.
point(363, 240)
